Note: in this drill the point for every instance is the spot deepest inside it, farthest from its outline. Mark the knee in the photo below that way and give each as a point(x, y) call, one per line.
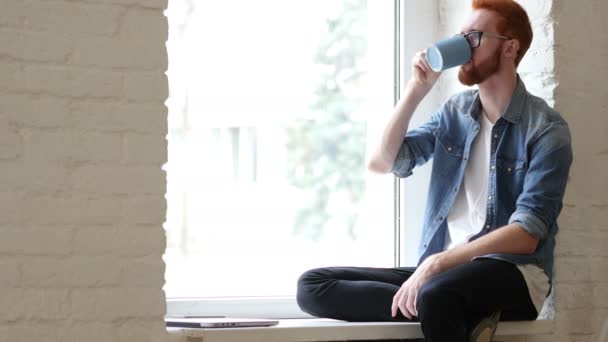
point(307, 295)
point(310, 280)
point(433, 300)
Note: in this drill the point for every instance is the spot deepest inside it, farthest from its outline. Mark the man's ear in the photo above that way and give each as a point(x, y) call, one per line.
point(511, 48)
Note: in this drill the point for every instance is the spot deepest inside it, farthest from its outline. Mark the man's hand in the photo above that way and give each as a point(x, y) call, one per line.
point(422, 74)
point(405, 299)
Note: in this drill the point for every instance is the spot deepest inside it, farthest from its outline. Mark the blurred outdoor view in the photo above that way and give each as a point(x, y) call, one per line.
point(274, 106)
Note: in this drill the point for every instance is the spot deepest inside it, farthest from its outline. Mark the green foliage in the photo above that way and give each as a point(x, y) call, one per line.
point(326, 152)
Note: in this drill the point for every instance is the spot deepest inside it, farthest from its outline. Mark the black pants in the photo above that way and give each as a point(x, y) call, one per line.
point(449, 304)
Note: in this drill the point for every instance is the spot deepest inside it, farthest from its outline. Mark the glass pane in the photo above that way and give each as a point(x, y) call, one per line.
point(273, 107)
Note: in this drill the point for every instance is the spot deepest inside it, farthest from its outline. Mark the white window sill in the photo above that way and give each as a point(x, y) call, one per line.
point(299, 330)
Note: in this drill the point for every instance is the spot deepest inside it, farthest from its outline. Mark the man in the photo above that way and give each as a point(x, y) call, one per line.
point(501, 162)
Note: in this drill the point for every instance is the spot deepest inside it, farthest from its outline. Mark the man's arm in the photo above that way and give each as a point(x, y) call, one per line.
point(509, 239)
point(423, 79)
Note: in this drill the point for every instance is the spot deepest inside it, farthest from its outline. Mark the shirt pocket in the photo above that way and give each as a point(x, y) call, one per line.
point(510, 178)
point(510, 167)
point(448, 144)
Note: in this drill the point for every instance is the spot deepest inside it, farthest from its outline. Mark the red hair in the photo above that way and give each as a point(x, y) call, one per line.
point(514, 22)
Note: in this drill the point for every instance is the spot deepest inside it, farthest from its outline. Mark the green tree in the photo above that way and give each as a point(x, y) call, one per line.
point(326, 152)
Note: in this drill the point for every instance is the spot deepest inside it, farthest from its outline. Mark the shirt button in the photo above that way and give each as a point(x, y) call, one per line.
point(449, 149)
point(495, 136)
point(489, 198)
point(492, 167)
point(488, 226)
point(509, 169)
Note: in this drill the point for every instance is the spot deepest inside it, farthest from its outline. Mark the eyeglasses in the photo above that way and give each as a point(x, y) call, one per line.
point(474, 37)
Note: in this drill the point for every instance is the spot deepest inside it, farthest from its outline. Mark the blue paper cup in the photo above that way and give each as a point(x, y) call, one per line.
point(448, 53)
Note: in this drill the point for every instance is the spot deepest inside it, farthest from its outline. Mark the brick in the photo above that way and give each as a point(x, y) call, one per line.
point(129, 241)
point(134, 241)
point(73, 81)
point(11, 276)
point(148, 271)
point(574, 296)
point(35, 110)
point(159, 4)
point(45, 304)
point(598, 267)
point(91, 241)
point(71, 146)
point(145, 149)
point(11, 207)
point(139, 241)
point(72, 17)
point(10, 301)
point(11, 141)
point(574, 321)
point(114, 117)
point(573, 217)
point(36, 241)
point(106, 304)
point(144, 210)
point(26, 177)
point(72, 272)
point(47, 331)
point(34, 46)
point(146, 86)
point(542, 338)
point(141, 24)
point(592, 217)
point(119, 180)
point(145, 330)
point(581, 243)
point(570, 269)
point(134, 54)
point(12, 13)
point(88, 331)
point(600, 295)
point(53, 210)
point(12, 76)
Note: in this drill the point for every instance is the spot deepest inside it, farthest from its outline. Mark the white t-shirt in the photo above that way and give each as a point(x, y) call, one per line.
point(468, 214)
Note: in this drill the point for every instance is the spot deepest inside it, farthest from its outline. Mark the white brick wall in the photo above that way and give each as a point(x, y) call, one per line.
point(82, 141)
point(566, 65)
point(581, 52)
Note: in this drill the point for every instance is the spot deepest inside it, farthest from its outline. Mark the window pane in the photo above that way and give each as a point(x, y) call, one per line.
point(273, 107)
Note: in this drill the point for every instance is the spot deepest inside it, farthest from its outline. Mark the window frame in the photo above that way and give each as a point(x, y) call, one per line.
point(409, 16)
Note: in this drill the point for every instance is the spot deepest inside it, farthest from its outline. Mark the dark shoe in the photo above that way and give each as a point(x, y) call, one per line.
point(485, 329)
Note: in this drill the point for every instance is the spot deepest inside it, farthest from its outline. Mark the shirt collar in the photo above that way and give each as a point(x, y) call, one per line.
point(514, 109)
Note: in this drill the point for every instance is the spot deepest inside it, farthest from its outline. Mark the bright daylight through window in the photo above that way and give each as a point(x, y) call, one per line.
point(273, 108)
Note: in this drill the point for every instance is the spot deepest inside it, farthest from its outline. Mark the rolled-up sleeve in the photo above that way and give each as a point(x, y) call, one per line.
point(402, 167)
point(417, 147)
point(540, 202)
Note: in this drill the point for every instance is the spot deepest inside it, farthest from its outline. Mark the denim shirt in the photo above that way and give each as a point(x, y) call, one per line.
point(530, 158)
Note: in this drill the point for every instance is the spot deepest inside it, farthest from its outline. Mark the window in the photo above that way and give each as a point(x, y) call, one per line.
point(273, 108)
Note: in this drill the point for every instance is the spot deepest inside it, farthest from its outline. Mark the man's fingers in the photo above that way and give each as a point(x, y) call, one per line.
point(415, 304)
point(394, 306)
point(402, 305)
point(410, 304)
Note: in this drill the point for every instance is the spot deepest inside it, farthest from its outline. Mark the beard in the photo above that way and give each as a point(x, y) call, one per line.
point(478, 74)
